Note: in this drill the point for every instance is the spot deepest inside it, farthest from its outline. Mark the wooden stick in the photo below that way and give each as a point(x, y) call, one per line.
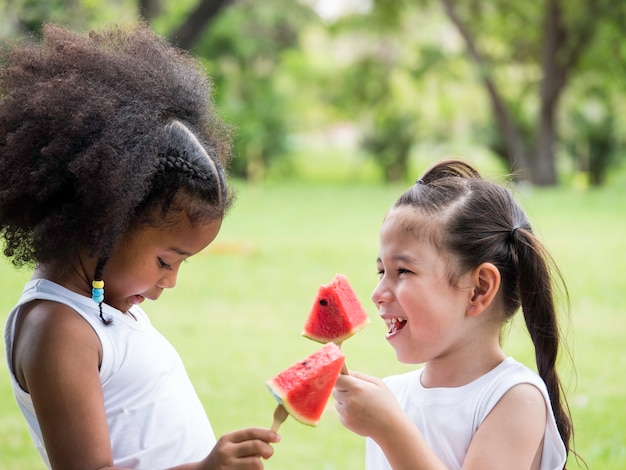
point(344, 367)
point(280, 415)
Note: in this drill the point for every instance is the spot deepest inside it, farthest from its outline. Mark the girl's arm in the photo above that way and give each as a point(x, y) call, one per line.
point(56, 359)
point(367, 407)
point(511, 436)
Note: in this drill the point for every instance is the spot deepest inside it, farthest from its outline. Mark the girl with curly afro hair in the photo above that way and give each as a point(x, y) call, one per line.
point(111, 175)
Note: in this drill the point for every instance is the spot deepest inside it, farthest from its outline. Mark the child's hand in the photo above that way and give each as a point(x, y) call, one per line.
point(365, 404)
point(241, 450)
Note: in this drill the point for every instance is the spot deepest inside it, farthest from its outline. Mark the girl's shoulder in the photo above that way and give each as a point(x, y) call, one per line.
point(49, 334)
point(510, 373)
point(44, 311)
point(494, 385)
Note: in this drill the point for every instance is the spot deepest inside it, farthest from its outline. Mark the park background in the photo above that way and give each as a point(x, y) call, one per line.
point(337, 106)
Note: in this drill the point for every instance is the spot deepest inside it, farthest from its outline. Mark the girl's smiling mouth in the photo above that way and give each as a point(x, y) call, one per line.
point(394, 325)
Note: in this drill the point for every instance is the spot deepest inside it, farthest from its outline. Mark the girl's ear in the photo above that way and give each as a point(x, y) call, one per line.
point(486, 281)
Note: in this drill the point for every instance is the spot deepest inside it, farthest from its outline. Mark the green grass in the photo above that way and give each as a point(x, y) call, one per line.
point(238, 309)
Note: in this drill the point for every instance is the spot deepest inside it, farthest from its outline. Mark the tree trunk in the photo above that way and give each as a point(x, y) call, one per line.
point(543, 166)
point(562, 47)
point(511, 135)
point(149, 9)
point(188, 33)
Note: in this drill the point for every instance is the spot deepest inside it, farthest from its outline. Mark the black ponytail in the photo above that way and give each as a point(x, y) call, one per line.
point(536, 293)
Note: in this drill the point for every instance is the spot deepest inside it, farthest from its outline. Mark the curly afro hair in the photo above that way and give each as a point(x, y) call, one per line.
point(100, 132)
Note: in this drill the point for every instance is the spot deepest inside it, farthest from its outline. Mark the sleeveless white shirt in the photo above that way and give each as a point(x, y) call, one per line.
point(449, 417)
point(155, 417)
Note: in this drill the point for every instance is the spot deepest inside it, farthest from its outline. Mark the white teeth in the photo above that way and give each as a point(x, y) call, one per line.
point(391, 324)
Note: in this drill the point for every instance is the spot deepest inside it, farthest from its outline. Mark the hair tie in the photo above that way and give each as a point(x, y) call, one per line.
point(420, 181)
point(513, 230)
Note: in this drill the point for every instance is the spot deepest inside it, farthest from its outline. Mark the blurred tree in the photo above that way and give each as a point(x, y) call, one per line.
point(592, 124)
point(595, 127)
point(244, 50)
point(366, 92)
point(390, 139)
point(549, 37)
point(190, 31)
point(148, 9)
point(527, 55)
point(390, 74)
point(25, 16)
point(22, 17)
point(394, 70)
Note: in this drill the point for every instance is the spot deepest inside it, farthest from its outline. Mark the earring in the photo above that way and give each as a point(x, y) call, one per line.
point(472, 309)
point(97, 293)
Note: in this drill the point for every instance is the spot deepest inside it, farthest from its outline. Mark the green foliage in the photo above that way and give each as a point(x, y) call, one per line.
point(244, 50)
point(390, 140)
point(594, 141)
point(22, 17)
point(383, 80)
point(281, 72)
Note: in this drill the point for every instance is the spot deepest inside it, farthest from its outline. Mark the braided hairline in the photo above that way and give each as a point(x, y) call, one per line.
point(187, 167)
point(170, 162)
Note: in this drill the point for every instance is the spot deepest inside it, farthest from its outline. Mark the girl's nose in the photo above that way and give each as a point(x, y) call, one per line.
point(380, 294)
point(168, 281)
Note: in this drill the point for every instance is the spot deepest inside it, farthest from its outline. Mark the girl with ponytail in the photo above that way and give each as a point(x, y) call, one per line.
point(457, 259)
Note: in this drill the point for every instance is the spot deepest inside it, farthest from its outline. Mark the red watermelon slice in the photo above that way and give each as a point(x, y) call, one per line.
point(336, 313)
point(305, 387)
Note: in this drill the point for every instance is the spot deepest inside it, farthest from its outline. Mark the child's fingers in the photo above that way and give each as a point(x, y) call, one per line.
point(354, 380)
point(251, 449)
point(249, 434)
point(365, 377)
point(242, 449)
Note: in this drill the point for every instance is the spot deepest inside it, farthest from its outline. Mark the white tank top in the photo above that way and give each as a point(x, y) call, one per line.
point(155, 417)
point(449, 417)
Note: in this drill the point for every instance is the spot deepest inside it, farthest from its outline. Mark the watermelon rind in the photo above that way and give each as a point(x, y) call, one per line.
point(313, 383)
point(275, 391)
point(335, 339)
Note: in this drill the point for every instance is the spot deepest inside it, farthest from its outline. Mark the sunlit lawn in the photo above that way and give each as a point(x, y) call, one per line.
point(238, 309)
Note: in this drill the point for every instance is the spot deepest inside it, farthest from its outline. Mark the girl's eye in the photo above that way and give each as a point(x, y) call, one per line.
point(403, 271)
point(163, 264)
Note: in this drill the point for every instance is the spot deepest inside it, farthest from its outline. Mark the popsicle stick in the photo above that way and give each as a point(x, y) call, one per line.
point(344, 367)
point(280, 415)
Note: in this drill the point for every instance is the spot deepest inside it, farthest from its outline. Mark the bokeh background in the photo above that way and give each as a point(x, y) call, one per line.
point(337, 106)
